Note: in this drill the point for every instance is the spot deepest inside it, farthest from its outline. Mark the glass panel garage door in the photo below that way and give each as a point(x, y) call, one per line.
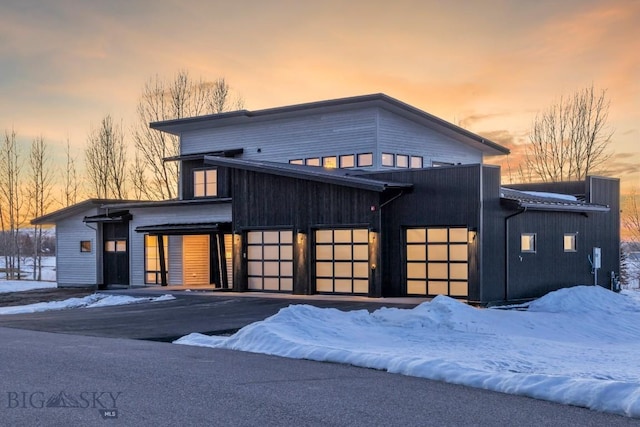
point(342, 261)
point(437, 261)
point(270, 260)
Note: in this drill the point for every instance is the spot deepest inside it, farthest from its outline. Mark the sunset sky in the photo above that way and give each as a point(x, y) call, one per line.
point(487, 65)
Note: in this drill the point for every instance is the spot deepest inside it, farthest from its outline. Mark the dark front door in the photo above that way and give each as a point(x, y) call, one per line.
point(116, 254)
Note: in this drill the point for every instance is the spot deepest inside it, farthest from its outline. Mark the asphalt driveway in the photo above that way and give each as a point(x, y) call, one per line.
point(205, 312)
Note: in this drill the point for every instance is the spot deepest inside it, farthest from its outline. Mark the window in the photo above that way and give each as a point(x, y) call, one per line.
point(347, 161)
point(85, 246)
point(570, 242)
point(528, 242)
point(152, 258)
point(402, 161)
point(416, 162)
point(330, 162)
point(296, 162)
point(115, 246)
point(388, 159)
point(365, 159)
point(313, 161)
point(205, 183)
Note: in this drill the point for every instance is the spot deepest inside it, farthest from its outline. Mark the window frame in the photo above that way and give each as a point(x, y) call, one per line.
point(85, 246)
point(147, 255)
point(418, 158)
point(405, 159)
point(574, 240)
point(312, 161)
point(208, 190)
point(393, 160)
point(364, 164)
point(533, 237)
point(341, 161)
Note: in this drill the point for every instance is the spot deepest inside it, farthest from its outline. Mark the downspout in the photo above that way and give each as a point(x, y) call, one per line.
point(506, 248)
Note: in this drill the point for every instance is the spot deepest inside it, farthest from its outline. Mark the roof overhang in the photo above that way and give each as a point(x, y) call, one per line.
point(117, 217)
point(184, 229)
point(308, 173)
point(200, 156)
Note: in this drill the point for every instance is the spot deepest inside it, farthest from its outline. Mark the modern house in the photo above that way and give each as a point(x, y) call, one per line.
point(364, 195)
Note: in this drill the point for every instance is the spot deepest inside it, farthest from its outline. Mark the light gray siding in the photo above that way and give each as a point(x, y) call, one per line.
point(398, 135)
point(75, 268)
point(182, 214)
point(370, 130)
point(282, 140)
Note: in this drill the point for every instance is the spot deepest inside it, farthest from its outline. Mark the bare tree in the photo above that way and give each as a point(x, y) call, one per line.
point(160, 100)
point(571, 138)
point(630, 246)
point(11, 200)
point(40, 195)
point(70, 182)
point(106, 162)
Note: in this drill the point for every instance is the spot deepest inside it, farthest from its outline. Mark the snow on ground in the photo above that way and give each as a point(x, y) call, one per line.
point(26, 268)
point(576, 346)
point(90, 301)
point(23, 285)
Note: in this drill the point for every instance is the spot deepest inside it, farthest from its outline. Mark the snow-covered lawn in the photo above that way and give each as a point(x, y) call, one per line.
point(23, 285)
point(578, 346)
point(90, 301)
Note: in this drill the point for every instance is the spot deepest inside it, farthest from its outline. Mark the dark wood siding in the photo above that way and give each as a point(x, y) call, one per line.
point(446, 196)
point(492, 239)
point(265, 200)
point(550, 267)
point(186, 174)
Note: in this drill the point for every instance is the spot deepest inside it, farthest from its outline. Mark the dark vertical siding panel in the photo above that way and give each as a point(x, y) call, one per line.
point(492, 249)
point(550, 268)
point(447, 196)
point(265, 200)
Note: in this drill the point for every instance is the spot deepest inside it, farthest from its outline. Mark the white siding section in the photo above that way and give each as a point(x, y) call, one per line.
point(75, 268)
point(285, 139)
point(175, 260)
point(398, 135)
point(168, 215)
point(195, 260)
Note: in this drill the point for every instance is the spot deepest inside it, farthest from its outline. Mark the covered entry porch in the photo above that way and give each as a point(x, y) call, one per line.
point(188, 255)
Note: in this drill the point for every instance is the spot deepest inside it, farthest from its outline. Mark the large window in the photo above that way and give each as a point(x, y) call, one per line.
point(342, 260)
point(270, 260)
point(205, 183)
point(152, 258)
point(437, 261)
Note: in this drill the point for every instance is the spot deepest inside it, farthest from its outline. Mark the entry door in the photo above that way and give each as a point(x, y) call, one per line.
point(195, 252)
point(116, 254)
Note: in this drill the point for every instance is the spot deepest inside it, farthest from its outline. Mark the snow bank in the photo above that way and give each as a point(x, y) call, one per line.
point(90, 301)
point(23, 285)
point(574, 346)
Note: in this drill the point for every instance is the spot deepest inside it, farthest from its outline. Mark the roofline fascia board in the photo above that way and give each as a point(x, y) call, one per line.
point(350, 181)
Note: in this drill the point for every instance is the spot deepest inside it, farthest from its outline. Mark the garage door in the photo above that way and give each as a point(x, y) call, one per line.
point(342, 261)
point(437, 261)
point(270, 260)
